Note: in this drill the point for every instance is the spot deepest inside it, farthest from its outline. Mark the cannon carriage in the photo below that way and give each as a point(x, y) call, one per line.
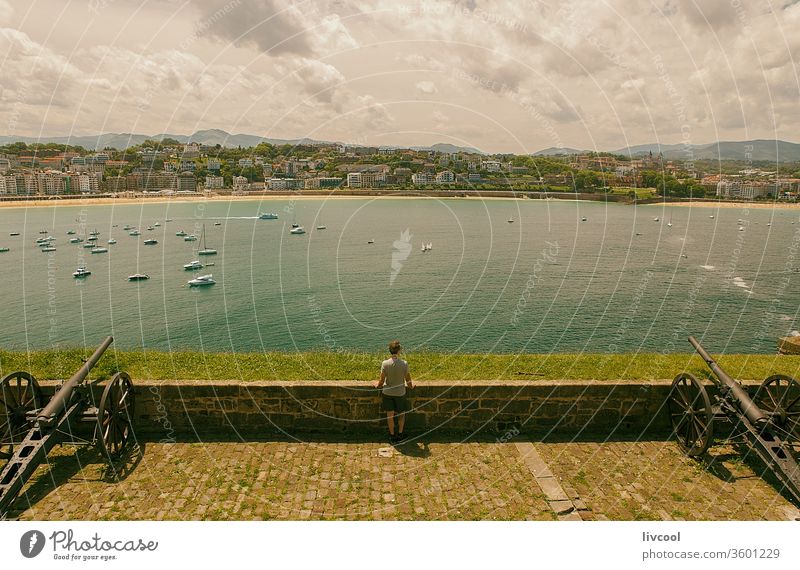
point(30, 428)
point(769, 422)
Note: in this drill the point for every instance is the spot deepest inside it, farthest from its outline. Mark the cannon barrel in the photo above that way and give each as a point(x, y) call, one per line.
point(61, 399)
point(746, 404)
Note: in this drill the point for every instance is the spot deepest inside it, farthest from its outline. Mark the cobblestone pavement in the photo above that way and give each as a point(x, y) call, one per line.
point(437, 481)
point(268, 480)
point(656, 481)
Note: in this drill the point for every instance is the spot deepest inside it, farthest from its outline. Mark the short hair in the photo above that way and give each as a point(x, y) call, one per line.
point(394, 346)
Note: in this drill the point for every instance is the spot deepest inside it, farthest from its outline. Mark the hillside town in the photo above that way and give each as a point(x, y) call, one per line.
point(167, 167)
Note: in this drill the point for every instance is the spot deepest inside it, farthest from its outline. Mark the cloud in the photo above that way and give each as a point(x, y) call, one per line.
point(426, 87)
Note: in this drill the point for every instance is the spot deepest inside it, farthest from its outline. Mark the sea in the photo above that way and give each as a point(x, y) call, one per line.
point(500, 276)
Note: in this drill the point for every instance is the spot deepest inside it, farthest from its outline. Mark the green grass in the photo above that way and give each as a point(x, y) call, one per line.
point(641, 193)
point(60, 364)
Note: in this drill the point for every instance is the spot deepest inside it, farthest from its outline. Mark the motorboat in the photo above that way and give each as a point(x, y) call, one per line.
point(89, 245)
point(267, 216)
point(191, 237)
point(12, 234)
point(112, 241)
point(150, 242)
point(206, 250)
point(150, 228)
point(180, 233)
point(4, 249)
point(127, 227)
point(43, 231)
point(157, 225)
point(94, 232)
point(48, 248)
point(135, 233)
point(370, 241)
point(656, 219)
point(168, 220)
point(217, 223)
point(75, 240)
point(322, 227)
point(711, 216)
point(70, 232)
point(202, 281)
point(81, 272)
point(193, 265)
point(510, 220)
point(99, 250)
point(138, 277)
point(91, 238)
point(297, 231)
point(583, 219)
point(295, 225)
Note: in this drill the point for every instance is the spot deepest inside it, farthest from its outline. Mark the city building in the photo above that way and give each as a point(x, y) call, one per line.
point(445, 177)
point(214, 182)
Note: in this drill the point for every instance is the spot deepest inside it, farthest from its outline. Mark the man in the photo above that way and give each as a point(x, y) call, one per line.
point(394, 379)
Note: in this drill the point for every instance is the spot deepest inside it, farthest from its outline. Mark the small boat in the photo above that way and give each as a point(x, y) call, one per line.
point(112, 241)
point(638, 234)
point(510, 220)
point(150, 242)
point(297, 231)
point(17, 233)
point(430, 246)
point(4, 249)
point(99, 250)
point(127, 227)
point(135, 233)
point(91, 238)
point(267, 216)
point(190, 238)
point(48, 248)
point(180, 233)
point(741, 229)
point(684, 255)
point(206, 250)
point(114, 225)
point(202, 281)
point(81, 272)
point(75, 240)
point(70, 232)
point(168, 220)
point(295, 225)
point(210, 264)
point(94, 232)
point(656, 219)
point(371, 241)
point(43, 231)
point(89, 245)
point(150, 228)
point(193, 265)
point(157, 225)
point(769, 224)
point(427, 246)
point(217, 223)
point(138, 277)
point(322, 227)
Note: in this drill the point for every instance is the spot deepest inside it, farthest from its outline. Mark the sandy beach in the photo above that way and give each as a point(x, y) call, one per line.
point(735, 205)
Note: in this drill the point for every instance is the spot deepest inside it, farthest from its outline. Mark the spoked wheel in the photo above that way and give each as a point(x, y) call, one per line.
point(691, 414)
point(115, 415)
point(779, 397)
point(19, 394)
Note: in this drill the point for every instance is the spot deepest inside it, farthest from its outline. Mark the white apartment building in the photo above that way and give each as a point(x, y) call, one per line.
point(421, 178)
point(214, 182)
point(445, 177)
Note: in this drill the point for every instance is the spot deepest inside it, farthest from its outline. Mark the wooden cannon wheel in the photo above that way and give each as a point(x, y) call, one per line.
point(779, 397)
point(115, 415)
point(19, 394)
point(690, 414)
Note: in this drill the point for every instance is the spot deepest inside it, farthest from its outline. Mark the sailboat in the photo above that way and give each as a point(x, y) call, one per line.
point(206, 250)
point(669, 223)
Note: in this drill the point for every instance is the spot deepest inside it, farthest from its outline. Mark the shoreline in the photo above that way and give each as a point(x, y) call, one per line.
point(400, 195)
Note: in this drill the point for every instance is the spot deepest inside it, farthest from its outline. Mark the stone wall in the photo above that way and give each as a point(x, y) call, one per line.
point(232, 410)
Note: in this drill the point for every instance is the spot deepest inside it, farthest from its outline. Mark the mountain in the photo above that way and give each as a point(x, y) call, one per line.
point(556, 151)
point(122, 141)
point(760, 149)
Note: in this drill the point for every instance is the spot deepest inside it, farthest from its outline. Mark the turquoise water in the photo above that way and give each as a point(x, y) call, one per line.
point(547, 282)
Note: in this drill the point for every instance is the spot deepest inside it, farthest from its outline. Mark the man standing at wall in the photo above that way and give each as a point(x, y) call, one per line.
point(395, 377)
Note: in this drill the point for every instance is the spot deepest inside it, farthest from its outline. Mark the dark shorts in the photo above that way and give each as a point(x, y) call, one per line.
point(398, 404)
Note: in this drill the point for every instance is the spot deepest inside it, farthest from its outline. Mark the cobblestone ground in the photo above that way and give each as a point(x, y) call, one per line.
point(243, 481)
point(438, 481)
point(656, 481)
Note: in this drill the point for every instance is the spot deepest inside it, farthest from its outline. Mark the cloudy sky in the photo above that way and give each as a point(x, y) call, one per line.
point(514, 76)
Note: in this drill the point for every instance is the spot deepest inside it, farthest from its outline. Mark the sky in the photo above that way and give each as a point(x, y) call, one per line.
point(500, 76)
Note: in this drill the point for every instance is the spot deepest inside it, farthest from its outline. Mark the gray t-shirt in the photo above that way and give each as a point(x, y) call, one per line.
point(395, 370)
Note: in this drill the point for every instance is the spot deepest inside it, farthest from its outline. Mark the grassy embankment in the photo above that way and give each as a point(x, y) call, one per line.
point(53, 364)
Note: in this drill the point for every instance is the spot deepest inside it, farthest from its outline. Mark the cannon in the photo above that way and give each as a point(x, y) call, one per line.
point(769, 421)
point(29, 429)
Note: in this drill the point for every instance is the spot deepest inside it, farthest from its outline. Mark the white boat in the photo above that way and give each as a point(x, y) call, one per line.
point(150, 228)
point(193, 265)
point(741, 229)
point(91, 238)
point(94, 232)
point(583, 218)
point(267, 216)
point(81, 272)
point(48, 248)
point(371, 241)
point(711, 216)
point(656, 219)
point(295, 225)
point(190, 237)
point(424, 248)
point(89, 245)
point(206, 250)
point(217, 223)
point(4, 249)
point(127, 227)
point(202, 281)
point(75, 240)
point(112, 241)
point(157, 224)
point(297, 231)
point(180, 233)
point(322, 227)
point(70, 232)
point(17, 233)
point(42, 231)
point(99, 250)
point(138, 277)
point(150, 242)
point(135, 233)
point(510, 220)
point(168, 220)
point(430, 246)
